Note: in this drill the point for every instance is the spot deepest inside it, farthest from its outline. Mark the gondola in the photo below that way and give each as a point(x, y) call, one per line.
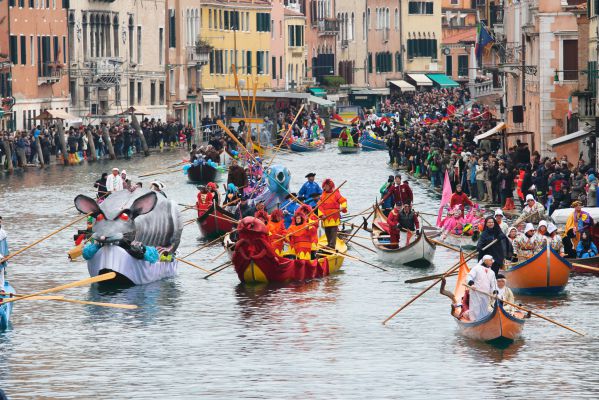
point(418, 253)
point(349, 149)
point(215, 222)
point(201, 173)
point(370, 143)
point(6, 309)
point(256, 262)
point(499, 328)
point(590, 262)
point(546, 273)
point(305, 147)
point(466, 242)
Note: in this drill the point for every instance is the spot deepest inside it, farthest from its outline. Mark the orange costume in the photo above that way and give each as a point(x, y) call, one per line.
point(332, 202)
point(204, 202)
point(300, 238)
point(307, 210)
point(277, 231)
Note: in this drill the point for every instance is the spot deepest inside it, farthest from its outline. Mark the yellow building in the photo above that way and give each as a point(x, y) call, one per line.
point(239, 32)
point(295, 48)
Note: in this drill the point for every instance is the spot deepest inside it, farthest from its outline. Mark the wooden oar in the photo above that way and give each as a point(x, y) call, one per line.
point(365, 219)
point(192, 265)
point(358, 236)
point(362, 246)
point(536, 314)
point(329, 250)
point(223, 217)
point(83, 302)
point(224, 267)
point(161, 173)
point(585, 267)
point(11, 255)
point(444, 245)
point(429, 278)
point(204, 246)
point(361, 213)
point(83, 282)
point(429, 287)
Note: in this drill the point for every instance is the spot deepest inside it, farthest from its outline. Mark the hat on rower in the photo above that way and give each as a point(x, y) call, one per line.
point(500, 276)
point(543, 223)
point(123, 172)
point(115, 169)
point(551, 228)
point(311, 174)
point(487, 257)
point(577, 203)
point(291, 195)
point(529, 227)
point(498, 212)
point(530, 197)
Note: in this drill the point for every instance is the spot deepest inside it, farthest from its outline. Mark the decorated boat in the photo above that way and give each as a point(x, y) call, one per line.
point(349, 149)
point(255, 260)
point(201, 173)
point(370, 142)
point(135, 234)
point(546, 273)
point(215, 222)
point(6, 308)
point(500, 327)
point(466, 242)
point(418, 252)
point(306, 146)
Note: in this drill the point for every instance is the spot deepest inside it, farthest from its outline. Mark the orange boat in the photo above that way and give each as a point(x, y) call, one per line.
point(499, 328)
point(546, 273)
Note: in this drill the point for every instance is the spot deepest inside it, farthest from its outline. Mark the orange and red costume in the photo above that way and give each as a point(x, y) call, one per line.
point(204, 202)
point(300, 238)
point(331, 205)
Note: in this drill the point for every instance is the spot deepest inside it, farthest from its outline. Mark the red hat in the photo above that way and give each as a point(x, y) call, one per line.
point(276, 215)
point(211, 185)
point(305, 209)
point(262, 215)
point(328, 181)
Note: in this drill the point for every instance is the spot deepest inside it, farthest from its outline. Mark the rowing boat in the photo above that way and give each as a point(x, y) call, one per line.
point(256, 262)
point(215, 222)
point(348, 149)
point(590, 262)
point(305, 147)
point(500, 327)
point(6, 309)
point(201, 173)
point(546, 273)
point(419, 252)
point(370, 143)
point(466, 242)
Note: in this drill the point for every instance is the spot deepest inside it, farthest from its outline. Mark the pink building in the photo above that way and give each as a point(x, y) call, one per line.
point(277, 44)
point(384, 58)
point(322, 29)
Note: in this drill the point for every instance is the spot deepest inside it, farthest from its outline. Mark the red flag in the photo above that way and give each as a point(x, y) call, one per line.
point(337, 117)
point(445, 198)
point(451, 109)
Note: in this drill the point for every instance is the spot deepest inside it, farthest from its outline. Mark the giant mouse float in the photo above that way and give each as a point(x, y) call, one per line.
point(135, 235)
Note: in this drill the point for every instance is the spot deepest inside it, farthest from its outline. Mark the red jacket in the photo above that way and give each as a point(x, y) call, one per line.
point(401, 194)
point(460, 199)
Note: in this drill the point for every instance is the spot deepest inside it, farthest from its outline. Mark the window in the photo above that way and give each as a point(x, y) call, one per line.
point(398, 66)
point(420, 7)
point(463, 65)
point(171, 78)
point(161, 92)
point(570, 59)
point(14, 55)
point(73, 91)
point(160, 40)
point(263, 22)
point(384, 62)
point(31, 3)
point(274, 68)
point(21, 3)
point(220, 19)
point(396, 19)
point(31, 50)
point(449, 65)
point(130, 39)
point(172, 29)
point(56, 49)
point(281, 67)
point(139, 45)
point(370, 63)
point(139, 92)
point(11, 3)
point(248, 62)
point(23, 50)
point(153, 93)
point(209, 18)
point(117, 95)
point(422, 48)
point(260, 62)
point(296, 35)
point(227, 25)
point(116, 36)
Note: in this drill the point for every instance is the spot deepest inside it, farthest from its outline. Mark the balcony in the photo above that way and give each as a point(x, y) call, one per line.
point(328, 27)
point(344, 44)
point(586, 105)
point(482, 89)
point(198, 55)
point(51, 73)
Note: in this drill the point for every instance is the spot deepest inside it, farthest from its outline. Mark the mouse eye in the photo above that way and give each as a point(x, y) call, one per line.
point(100, 217)
point(124, 217)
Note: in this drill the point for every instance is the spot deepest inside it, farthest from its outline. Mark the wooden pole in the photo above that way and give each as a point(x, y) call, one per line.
point(444, 245)
point(329, 250)
point(108, 142)
point(204, 246)
point(536, 314)
point(61, 141)
point(585, 267)
point(91, 145)
point(140, 134)
point(447, 273)
point(83, 302)
point(8, 152)
point(429, 278)
point(193, 265)
point(11, 255)
point(224, 267)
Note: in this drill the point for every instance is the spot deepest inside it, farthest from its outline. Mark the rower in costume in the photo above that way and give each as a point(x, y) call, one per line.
point(308, 189)
point(330, 205)
point(3, 253)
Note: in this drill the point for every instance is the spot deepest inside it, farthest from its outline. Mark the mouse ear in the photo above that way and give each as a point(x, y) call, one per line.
point(144, 204)
point(86, 205)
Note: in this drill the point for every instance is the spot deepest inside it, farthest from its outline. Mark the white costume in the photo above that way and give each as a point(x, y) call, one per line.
point(484, 280)
point(114, 183)
point(3, 253)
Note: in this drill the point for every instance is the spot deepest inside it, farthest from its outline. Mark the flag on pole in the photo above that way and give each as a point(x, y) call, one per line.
point(484, 40)
point(445, 198)
point(570, 107)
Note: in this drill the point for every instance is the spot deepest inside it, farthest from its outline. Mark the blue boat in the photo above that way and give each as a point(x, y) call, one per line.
point(6, 309)
point(302, 147)
point(371, 144)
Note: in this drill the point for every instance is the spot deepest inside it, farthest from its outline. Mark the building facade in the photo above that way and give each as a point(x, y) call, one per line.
point(322, 28)
point(421, 34)
point(38, 56)
point(116, 58)
point(295, 49)
point(458, 36)
point(352, 42)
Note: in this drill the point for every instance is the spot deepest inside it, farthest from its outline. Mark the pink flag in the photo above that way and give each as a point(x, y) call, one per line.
point(445, 198)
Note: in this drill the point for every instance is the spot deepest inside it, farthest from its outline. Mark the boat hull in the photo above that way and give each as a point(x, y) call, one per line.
point(590, 262)
point(215, 222)
point(349, 149)
point(138, 272)
point(202, 173)
point(498, 328)
point(464, 241)
point(372, 144)
point(6, 309)
point(546, 273)
point(300, 148)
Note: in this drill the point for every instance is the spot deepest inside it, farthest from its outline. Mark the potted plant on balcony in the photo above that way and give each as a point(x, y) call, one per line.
point(203, 47)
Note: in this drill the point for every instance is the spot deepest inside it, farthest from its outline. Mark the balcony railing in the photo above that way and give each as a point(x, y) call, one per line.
point(483, 89)
point(328, 26)
point(197, 55)
point(50, 73)
point(586, 107)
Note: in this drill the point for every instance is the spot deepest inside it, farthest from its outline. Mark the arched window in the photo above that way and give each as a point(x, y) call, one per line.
point(387, 19)
point(368, 21)
point(396, 19)
point(352, 27)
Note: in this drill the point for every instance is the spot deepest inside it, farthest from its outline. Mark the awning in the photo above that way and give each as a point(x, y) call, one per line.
point(499, 127)
point(371, 92)
point(403, 85)
point(443, 80)
point(211, 98)
point(57, 114)
point(321, 102)
point(179, 106)
point(578, 135)
point(421, 79)
point(139, 110)
point(317, 92)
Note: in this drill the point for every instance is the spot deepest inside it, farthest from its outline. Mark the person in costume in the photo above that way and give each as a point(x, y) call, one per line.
point(527, 245)
point(3, 253)
point(332, 202)
point(576, 223)
point(114, 182)
point(408, 221)
point(533, 211)
point(308, 189)
point(300, 236)
point(262, 215)
point(482, 278)
point(461, 199)
point(313, 219)
point(555, 241)
point(289, 207)
point(394, 226)
point(499, 218)
point(497, 250)
point(276, 231)
point(204, 201)
point(387, 203)
point(586, 248)
point(504, 293)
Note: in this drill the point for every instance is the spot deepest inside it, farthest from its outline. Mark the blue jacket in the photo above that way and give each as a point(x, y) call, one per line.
point(581, 253)
point(306, 192)
point(288, 207)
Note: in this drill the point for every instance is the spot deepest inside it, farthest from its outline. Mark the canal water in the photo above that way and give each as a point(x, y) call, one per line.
point(193, 338)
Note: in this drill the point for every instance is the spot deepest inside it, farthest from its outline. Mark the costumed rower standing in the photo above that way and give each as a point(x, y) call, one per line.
point(481, 278)
point(533, 211)
point(300, 236)
point(460, 198)
point(3, 253)
point(331, 203)
point(114, 182)
point(498, 250)
point(394, 228)
point(408, 221)
point(309, 189)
